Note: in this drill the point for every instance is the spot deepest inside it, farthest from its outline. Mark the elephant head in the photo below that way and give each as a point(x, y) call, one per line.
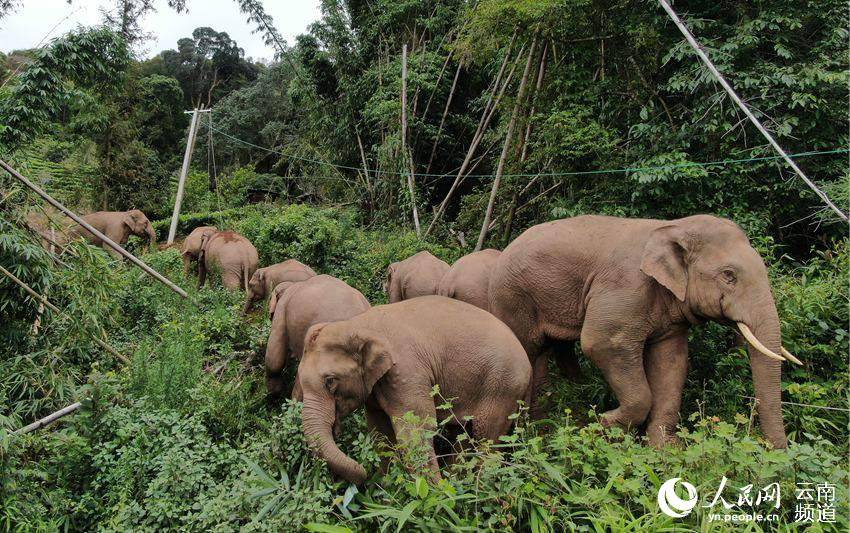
point(140, 225)
point(256, 289)
point(277, 294)
point(713, 272)
point(338, 370)
point(392, 288)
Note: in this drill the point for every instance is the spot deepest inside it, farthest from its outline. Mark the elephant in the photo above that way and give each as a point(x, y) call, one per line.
point(117, 225)
point(231, 254)
point(468, 278)
point(305, 303)
point(629, 290)
point(192, 246)
point(267, 278)
point(391, 357)
point(418, 275)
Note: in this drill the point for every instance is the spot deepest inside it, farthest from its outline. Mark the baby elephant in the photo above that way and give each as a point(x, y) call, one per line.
point(390, 358)
point(266, 279)
point(418, 275)
point(231, 254)
point(192, 246)
point(468, 278)
point(319, 299)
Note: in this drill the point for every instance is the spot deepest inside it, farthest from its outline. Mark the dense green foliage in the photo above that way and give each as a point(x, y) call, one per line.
point(305, 158)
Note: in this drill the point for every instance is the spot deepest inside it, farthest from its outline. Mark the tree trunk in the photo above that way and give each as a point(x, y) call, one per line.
point(404, 153)
point(541, 71)
point(505, 148)
point(483, 122)
point(443, 120)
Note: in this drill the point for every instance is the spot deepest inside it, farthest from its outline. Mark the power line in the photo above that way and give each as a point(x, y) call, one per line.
point(623, 170)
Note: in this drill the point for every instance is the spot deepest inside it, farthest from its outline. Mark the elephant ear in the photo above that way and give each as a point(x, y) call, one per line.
point(374, 356)
point(664, 259)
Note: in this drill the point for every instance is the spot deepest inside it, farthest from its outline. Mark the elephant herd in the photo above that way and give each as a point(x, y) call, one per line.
point(482, 329)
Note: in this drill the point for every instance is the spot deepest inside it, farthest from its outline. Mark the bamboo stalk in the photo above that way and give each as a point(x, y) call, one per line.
point(443, 119)
point(541, 71)
point(479, 134)
point(505, 148)
point(49, 419)
point(404, 153)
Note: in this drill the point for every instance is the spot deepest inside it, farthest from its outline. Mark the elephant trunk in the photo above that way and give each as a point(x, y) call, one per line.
point(318, 417)
point(151, 234)
point(249, 303)
point(767, 373)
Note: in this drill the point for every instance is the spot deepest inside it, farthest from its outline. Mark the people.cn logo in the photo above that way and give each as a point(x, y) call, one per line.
point(673, 505)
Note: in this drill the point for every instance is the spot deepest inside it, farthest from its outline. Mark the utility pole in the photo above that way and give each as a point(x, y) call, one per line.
point(404, 153)
point(187, 159)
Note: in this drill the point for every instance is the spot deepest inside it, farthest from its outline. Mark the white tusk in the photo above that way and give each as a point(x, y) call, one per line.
point(788, 355)
point(748, 334)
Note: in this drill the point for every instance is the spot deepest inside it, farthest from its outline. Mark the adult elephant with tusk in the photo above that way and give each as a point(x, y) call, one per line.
point(118, 226)
point(265, 279)
point(391, 357)
point(629, 289)
point(301, 305)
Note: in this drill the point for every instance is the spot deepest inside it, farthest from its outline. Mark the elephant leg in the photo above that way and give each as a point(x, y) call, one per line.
point(202, 273)
point(495, 420)
point(618, 352)
point(277, 352)
point(231, 279)
point(666, 366)
point(297, 391)
point(539, 381)
point(415, 437)
point(378, 421)
point(564, 354)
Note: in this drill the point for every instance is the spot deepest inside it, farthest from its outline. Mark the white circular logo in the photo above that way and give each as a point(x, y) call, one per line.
point(671, 504)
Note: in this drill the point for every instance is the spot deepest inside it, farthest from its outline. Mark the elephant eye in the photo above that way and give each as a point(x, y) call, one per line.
point(729, 276)
point(330, 383)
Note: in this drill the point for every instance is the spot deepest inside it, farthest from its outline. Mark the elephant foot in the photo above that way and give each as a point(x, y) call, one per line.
point(274, 386)
point(661, 435)
point(622, 418)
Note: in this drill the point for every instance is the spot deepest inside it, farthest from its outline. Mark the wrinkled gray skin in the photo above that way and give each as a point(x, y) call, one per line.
point(118, 226)
point(306, 303)
point(629, 289)
point(418, 275)
point(468, 278)
point(231, 255)
point(192, 246)
point(265, 279)
point(390, 358)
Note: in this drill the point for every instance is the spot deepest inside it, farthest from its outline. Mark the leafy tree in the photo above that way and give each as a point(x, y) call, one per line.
point(208, 66)
point(92, 58)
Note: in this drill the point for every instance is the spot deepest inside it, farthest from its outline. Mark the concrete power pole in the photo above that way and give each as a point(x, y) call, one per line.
point(187, 159)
